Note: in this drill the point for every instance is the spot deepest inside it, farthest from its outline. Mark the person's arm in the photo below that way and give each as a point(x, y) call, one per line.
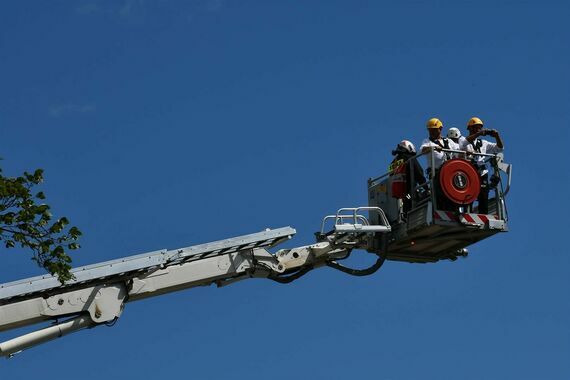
point(474, 136)
point(497, 136)
point(427, 147)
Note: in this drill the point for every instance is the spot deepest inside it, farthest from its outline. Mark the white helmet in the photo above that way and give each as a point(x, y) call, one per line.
point(405, 146)
point(453, 133)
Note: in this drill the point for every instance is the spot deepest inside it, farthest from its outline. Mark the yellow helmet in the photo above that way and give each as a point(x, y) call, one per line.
point(474, 121)
point(434, 123)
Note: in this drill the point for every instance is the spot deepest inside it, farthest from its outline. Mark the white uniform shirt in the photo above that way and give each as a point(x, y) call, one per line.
point(485, 146)
point(462, 143)
point(438, 157)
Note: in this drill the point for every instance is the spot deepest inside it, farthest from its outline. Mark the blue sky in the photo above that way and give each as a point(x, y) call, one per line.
point(162, 124)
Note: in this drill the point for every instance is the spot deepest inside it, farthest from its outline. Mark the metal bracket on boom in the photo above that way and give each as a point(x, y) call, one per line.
point(93, 306)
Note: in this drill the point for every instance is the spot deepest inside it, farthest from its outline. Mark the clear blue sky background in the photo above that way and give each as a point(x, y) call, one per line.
point(162, 124)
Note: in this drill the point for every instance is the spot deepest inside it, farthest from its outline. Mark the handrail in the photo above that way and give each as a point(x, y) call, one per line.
point(464, 152)
point(494, 160)
point(380, 212)
point(509, 172)
point(356, 217)
point(355, 211)
point(360, 218)
point(372, 180)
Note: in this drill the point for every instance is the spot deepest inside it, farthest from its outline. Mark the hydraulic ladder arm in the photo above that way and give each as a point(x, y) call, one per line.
point(99, 292)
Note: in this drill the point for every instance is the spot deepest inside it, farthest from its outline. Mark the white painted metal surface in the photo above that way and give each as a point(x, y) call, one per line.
point(16, 345)
point(143, 263)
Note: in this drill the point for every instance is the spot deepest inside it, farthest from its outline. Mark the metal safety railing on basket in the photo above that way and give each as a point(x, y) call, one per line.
point(495, 161)
point(359, 222)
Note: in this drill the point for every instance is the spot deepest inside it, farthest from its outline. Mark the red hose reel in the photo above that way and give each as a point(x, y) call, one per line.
point(459, 181)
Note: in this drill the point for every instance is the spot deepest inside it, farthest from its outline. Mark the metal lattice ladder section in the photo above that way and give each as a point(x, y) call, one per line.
point(135, 265)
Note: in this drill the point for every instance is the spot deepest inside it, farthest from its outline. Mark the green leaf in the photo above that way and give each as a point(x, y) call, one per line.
point(56, 227)
point(74, 232)
point(38, 176)
point(57, 252)
point(27, 223)
point(42, 208)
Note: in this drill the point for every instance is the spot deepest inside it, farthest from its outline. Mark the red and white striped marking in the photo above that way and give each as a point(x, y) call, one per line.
point(476, 218)
point(448, 216)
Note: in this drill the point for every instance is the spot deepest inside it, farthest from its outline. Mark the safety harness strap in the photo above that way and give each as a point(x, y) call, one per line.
point(477, 144)
point(445, 144)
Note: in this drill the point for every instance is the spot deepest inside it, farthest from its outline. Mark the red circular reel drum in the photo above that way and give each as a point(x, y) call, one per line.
point(459, 181)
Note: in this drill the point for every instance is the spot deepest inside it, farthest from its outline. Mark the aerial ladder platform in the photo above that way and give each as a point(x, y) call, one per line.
point(98, 293)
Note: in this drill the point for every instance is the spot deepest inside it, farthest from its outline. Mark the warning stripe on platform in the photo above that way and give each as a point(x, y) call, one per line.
point(449, 216)
point(446, 216)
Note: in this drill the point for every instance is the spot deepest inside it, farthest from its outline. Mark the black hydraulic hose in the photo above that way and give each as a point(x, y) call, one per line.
point(358, 272)
point(293, 277)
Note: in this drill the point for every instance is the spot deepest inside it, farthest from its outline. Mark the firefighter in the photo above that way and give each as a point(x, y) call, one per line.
point(404, 155)
point(435, 143)
point(434, 146)
point(475, 144)
point(454, 134)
